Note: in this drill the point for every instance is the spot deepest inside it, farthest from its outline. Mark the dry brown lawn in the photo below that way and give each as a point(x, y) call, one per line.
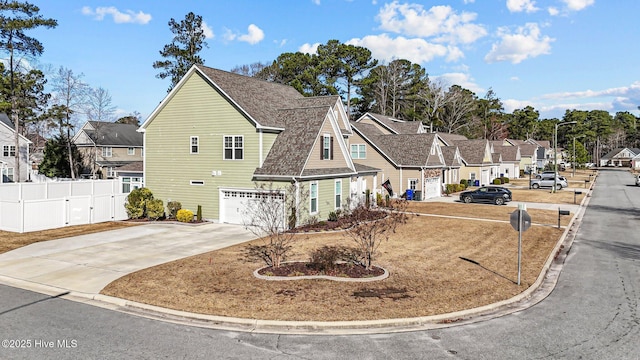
point(10, 240)
point(424, 258)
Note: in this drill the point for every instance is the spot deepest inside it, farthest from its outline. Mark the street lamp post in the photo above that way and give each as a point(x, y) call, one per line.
point(575, 161)
point(555, 154)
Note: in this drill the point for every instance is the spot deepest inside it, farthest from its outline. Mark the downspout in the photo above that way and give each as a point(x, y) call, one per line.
point(400, 185)
point(260, 160)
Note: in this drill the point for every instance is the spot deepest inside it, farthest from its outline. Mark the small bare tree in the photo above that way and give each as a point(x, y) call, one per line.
point(370, 227)
point(268, 214)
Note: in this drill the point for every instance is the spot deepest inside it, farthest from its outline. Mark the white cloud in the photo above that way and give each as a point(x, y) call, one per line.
point(631, 91)
point(254, 35)
point(462, 79)
point(119, 17)
point(309, 48)
point(317, 2)
point(208, 32)
point(440, 22)
point(526, 42)
point(522, 5)
point(577, 5)
point(512, 104)
point(553, 11)
point(415, 50)
point(514, 78)
point(469, 1)
point(280, 43)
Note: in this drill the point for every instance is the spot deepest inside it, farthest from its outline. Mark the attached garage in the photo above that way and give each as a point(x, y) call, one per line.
point(234, 204)
point(431, 188)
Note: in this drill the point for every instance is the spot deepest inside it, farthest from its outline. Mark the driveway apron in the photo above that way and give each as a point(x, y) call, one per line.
point(88, 263)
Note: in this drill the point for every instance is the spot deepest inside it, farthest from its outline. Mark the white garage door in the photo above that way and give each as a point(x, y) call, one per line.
point(431, 188)
point(234, 209)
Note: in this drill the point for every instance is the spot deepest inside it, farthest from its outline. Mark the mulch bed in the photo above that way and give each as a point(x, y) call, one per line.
point(300, 268)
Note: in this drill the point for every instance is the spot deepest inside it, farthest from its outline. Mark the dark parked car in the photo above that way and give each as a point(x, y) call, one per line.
point(491, 194)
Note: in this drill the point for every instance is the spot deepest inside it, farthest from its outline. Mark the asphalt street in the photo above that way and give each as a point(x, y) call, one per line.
point(591, 314)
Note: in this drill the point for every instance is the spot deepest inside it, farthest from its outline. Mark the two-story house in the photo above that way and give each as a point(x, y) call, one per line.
point(8, 172)
point(105, 146)
point(217, 136)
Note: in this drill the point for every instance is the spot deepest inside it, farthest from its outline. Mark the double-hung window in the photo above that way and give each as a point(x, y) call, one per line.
point(326, 153)
point(358, 151)
point(338, 193)
point(313, 189)
point(8, 150)
point(234, 147)
point(131, 151)
point(195, 145)
point(107, 151)
point(413, 184)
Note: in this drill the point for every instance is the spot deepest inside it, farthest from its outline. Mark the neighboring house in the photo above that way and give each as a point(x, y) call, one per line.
point(544, 153)
point(217, 135)
point(130, 176)
point(619, 157)
point(453, 162)
point(408, 161)
point(391, 125)
point(478, 160)
point(105, 146)
point(509, 161)
point(528, 156)
point(8, 152)
point(635, 161)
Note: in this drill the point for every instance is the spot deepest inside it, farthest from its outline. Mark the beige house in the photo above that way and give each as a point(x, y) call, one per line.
point(407, 157)
point(480, 168)
point(217, 135)
point(105, 146)
point(509, 165)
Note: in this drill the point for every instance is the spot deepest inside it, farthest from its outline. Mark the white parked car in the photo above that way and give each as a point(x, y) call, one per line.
point(638, 180)
point(547, 181)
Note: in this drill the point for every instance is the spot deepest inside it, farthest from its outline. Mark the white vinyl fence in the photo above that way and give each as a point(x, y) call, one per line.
point(28, 207)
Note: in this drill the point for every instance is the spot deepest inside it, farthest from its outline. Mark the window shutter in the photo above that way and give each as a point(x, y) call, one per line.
point(331, 148)
point(322, 149)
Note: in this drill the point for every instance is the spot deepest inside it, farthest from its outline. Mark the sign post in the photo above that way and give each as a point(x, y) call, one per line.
point(520, 221)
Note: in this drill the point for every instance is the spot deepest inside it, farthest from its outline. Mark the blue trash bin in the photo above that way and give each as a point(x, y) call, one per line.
point(409, 194)
point(476, 182)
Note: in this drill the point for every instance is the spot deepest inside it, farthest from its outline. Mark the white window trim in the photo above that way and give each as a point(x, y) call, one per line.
point(191, 145)
point(311, 198)
point(196, 182)
point(335, 194)
point(233, 147)
point(326, 146)
point(409, 183)
point(357, 152)
point(472, 176)
point(131, 151)
point(107, 151)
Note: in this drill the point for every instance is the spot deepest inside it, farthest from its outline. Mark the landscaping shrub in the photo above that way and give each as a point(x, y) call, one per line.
point(451, 188)
point(173, 207)
point(199, 213)
point(155, 209)
point(325, 257)
point(497, 181)
point(464, 183)
point(184, 215)
point(333, 216)
point(505, 180)
point(136, 205)
point(379, 200)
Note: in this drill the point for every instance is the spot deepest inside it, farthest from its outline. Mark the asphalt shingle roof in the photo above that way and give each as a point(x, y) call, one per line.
point(449, 155)
point(509, 153)
point(472, 151)
point(260, 99)
point(112, 134)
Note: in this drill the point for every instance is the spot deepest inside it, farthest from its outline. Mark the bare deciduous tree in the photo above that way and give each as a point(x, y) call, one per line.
point(369, 229)
point(268, 214)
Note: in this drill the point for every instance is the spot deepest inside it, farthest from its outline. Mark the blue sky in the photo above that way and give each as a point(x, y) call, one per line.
point(551, 54)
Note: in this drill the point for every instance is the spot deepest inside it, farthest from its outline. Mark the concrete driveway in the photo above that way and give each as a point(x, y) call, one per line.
point(88, 263)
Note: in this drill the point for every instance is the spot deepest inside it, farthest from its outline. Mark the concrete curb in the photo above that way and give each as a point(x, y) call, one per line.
point(538, 291)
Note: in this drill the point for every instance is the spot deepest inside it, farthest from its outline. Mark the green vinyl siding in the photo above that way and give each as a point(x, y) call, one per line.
point(196, 109)
point(326, 196)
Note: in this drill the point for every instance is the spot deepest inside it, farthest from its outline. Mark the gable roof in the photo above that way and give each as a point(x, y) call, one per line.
point(292, 146)
point(394, 125)
point(528, 150)
point(611, 154)
point(258, 98)
point(472, 151)
point(413, 150)
point(6, 122)
point(450, 139)
point(542, 143)
point(509, 153)
point(104, 133)
point(451, 156)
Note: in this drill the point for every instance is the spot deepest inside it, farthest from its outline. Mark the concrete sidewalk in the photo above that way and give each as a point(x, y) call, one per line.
point(88, 263)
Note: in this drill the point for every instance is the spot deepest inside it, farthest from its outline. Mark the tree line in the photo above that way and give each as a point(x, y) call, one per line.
point(403, 90)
